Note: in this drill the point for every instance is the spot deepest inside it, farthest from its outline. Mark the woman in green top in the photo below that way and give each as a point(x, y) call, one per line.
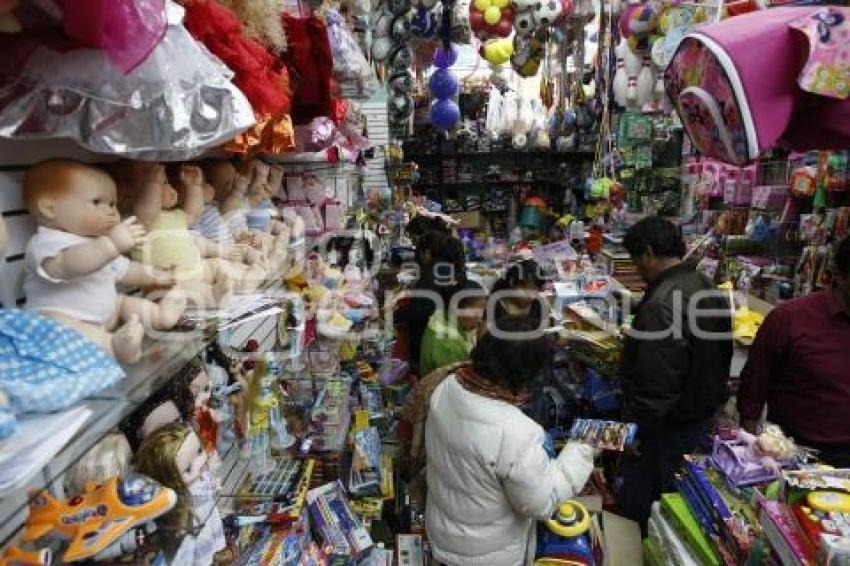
point(450, 339)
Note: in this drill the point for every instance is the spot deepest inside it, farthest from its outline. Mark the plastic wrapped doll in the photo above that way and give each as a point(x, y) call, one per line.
point(266, 427)
point(74, 261)
point(754, 459)
point(220, 405)
point(350, 67)
point(146, 192)
point(174, 105)
point(258, 73)
point(175, 457)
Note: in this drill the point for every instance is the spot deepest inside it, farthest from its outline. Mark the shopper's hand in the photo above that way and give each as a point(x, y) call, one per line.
point(127, 234)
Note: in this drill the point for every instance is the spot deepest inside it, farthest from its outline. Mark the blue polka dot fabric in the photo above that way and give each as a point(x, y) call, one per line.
point(45, 366)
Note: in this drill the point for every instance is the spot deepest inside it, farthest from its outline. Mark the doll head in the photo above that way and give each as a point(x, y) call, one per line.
point(134, 178)
point(176, 401)
point(221, 176)
point(108, 458)
point(158, 411)
point(71, 196)
point(174, 457)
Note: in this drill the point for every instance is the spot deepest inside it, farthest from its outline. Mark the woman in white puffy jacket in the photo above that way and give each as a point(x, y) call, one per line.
point(489, 476)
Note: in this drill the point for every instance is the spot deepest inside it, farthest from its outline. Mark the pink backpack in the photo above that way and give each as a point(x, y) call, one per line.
point(748, 82)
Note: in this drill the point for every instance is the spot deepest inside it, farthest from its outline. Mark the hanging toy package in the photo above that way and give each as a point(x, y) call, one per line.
point(350, 67)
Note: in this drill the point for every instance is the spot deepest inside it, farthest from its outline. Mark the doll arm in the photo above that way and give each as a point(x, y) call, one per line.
point(261, 177)
point(148, 204)
point(208, 248)
point(84, 259)
point(193, 181)
point(233, 202)
point(140, 275)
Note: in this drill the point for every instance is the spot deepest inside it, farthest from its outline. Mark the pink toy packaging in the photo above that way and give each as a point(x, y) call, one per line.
point(733, 110)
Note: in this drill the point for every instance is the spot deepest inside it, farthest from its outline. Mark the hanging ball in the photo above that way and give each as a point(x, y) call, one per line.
point(445, 114)
point(504, 27)
point(476, 20)
point(443, 84)
point(492, 15)
point(400, 29)
point(482, 5)
point(638, 19)
point(444, 58)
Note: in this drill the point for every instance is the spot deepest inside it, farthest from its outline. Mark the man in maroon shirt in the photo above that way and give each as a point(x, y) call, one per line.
point(799, 366)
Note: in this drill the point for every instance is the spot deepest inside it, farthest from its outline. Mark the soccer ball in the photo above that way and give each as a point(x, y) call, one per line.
point(547, 12)
point(523, 5)
point(525, 23)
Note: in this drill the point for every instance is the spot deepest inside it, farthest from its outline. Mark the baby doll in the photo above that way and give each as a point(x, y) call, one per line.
point(175, 457)
point(238, 191)
point(222, 245)
point(75, 260)
point(146, 192)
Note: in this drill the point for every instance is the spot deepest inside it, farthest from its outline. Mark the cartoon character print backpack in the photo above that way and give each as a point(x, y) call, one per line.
point(742, 85)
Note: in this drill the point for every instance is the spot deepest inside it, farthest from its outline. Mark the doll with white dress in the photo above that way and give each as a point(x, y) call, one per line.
point(75, 260)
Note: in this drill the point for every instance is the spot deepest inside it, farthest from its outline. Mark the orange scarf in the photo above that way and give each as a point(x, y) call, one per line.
point(480, 385)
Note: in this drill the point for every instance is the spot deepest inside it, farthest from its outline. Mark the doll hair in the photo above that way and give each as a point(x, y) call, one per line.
point(177, 389)
point(128, 176)
point(108, 458)
point(157, 459)
point(51, 178)
point(261, 21)
point(221, 174)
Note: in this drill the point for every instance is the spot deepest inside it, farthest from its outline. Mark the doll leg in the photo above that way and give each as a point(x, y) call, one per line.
point(159, 316)
point(124, 344)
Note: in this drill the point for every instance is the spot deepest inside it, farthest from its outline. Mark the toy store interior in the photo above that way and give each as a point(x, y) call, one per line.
point(425, 282)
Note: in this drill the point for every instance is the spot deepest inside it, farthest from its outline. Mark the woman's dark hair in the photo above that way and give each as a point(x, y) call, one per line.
point(655, 233)
point(513, 360)
point(472, 290)
point(421, 225)
point(841, 257)
point(524, 272)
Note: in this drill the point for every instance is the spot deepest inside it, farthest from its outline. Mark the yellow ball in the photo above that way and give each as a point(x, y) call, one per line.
point(492, 15)
point(482, 5)
point(501, 4)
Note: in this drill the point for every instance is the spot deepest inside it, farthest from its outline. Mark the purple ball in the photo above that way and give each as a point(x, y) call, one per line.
point(445, 58)
point(445, 114)
point(443, 84)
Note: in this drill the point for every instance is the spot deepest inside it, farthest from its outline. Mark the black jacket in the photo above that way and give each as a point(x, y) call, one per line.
point(677, 376)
